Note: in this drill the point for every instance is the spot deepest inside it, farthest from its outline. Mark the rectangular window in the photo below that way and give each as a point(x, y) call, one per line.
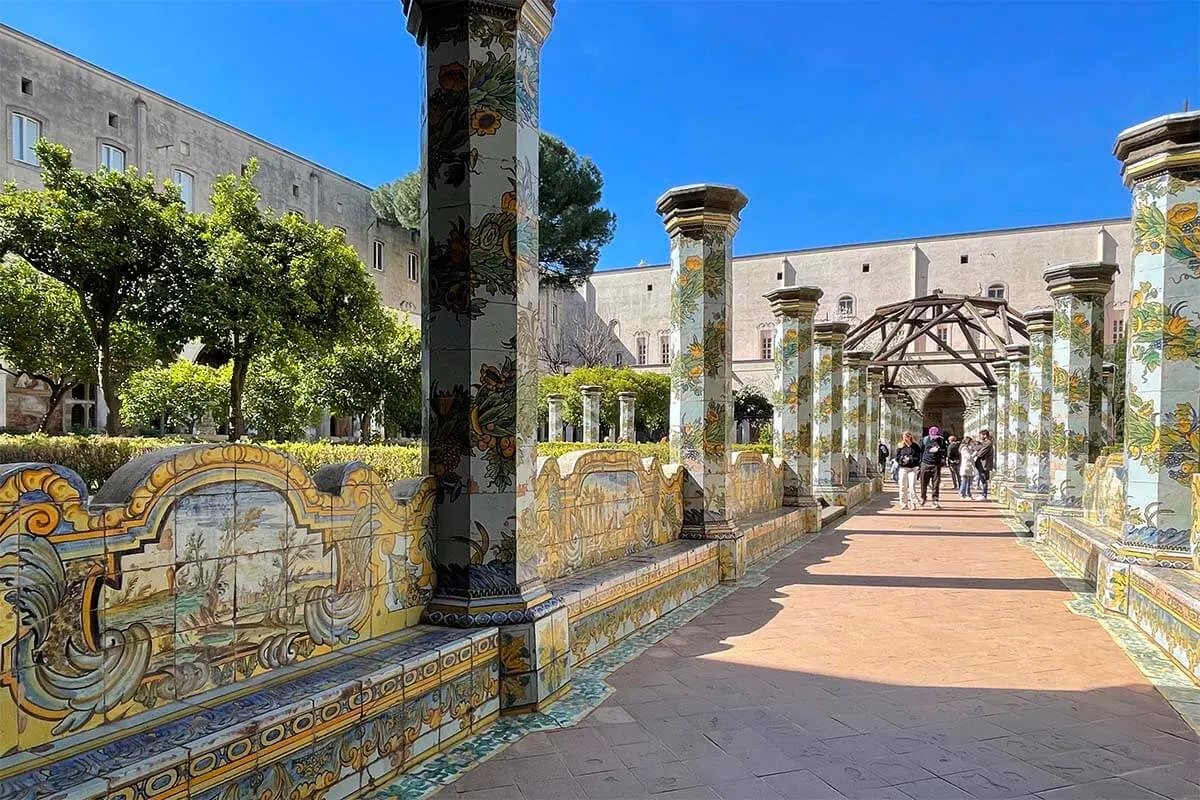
point(866, 267)
point(112, 158)
point(114, 121)
point(767, 345)
point(27, 86)
point(377, 255)
point(641, 350)
point(414, 267)
point(649, 287)
point(25, 133)
point(943, 332)
point(664, 344)
point(963, 259)
point(1118, 330)
point(184, 181)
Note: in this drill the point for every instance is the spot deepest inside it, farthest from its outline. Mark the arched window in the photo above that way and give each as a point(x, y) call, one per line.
point(845, 306)
point(640, 349)
point(997, 291)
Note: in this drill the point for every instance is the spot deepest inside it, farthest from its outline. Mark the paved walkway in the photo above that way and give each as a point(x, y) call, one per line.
point(899, 655)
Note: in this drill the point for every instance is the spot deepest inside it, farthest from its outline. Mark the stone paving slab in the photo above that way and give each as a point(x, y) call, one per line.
point(925, 654)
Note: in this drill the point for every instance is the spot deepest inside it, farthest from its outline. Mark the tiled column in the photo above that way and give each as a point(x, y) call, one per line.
point(987, 414)
point(1040, 326)
point(874, 418)
point(591, 412)
point(1162, 402)
point(853, 368)
point(888, 402)
point(794, 307)
point(555, 404)
point(1078, 290)
point(701, 221)
point(1018, 414)
point(1108, 376)
point(479, 240)
point(1000, 433)
point(829, 468)
point(625, 404)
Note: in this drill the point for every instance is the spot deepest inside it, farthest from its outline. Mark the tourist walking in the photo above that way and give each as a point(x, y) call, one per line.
point(908, 459)
point(933, 458)
point(967, 467)
point(954, 460)
point(884, 452)
point(985, 459)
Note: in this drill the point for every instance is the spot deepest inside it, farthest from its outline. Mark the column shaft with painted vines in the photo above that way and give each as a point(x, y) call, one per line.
point(479, 263)
point(1040, 326)
point(701, 221)
point(626, 406)
point(794, 308)
point(590, 397)
point(829, 468)
point(874, 418)
point(555, 404)
point(888, 401)
point(852, 410)
point(1018, 414)
point(1108, 373)
point(1000, 434)
point(1161, 161)
point(1078, 290)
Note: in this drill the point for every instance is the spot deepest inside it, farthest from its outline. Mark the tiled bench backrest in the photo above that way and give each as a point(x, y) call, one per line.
point(1104, 492)
point(755, 484)
point(598, 506)
point(192, 568)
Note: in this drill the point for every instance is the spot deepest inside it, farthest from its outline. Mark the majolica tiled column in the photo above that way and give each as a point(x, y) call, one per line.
point(874, 418)
point(590, 397)
point(1040, 326)
point(794, 307)
point(555, 405)
point(701, 221)
point(1162, 402)
point(888, 402)
point(1108, 375)
point(1018, 413)
point(852, 419)
point(987, 413)
point(479, 238)
point(1078, 290)
point(829, 467)
point(1000, 434)
point(625, 405)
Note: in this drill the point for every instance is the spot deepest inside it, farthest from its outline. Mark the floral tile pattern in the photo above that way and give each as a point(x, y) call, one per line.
point(829, 467)
point(794, 308)
point(1162, 419)
point(1041, 357)
point(1018, 415)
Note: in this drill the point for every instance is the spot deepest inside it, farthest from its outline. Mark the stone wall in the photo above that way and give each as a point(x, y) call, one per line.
point(193, 568)
point(598, 506)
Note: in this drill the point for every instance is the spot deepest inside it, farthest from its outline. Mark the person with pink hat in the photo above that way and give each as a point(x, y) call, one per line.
point(933, 458)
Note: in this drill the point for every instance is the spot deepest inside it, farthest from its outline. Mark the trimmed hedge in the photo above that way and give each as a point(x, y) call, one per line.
point(96, 458)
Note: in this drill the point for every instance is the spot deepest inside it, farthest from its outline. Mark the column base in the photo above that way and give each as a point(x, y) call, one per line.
point(833, 495)
point(455, 611)
point(535, 662)
point(731, 541)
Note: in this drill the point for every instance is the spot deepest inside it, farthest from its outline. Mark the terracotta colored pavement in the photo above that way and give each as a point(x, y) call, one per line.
point(900, 655)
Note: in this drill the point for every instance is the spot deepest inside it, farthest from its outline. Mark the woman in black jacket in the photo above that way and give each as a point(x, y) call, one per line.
point(908, 457)
point(985, 460)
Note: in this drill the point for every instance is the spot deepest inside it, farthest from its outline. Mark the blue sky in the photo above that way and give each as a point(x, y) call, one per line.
point(841, 121)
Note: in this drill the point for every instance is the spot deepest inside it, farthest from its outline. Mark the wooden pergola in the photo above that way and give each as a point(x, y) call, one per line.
point(988, 326)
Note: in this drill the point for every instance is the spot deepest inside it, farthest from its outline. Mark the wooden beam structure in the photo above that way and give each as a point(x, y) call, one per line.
point(986, 324)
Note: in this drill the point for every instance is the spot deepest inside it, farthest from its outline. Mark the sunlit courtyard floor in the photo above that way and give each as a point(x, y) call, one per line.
point(926, 654)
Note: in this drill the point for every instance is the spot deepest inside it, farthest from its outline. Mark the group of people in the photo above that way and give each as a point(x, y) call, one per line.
point(920, 463)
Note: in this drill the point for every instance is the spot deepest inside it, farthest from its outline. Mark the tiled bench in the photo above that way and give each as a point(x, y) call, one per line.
point(331, 727)
point(609, 602)
point(1164, 602)
point(769, 531)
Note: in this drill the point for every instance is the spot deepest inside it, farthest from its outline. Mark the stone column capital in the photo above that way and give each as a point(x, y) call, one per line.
point(831, 332)
point(1158, 145)
point(1017, 352)
point(535, 15)
point(691, 209)
point(857, 359)
point(1040, 320)
point(1080, 278)
point(625, 395)
point(1000, 367)
point(1108, 369)
point(556, 396)
point(591, 389)
point(794, 301)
